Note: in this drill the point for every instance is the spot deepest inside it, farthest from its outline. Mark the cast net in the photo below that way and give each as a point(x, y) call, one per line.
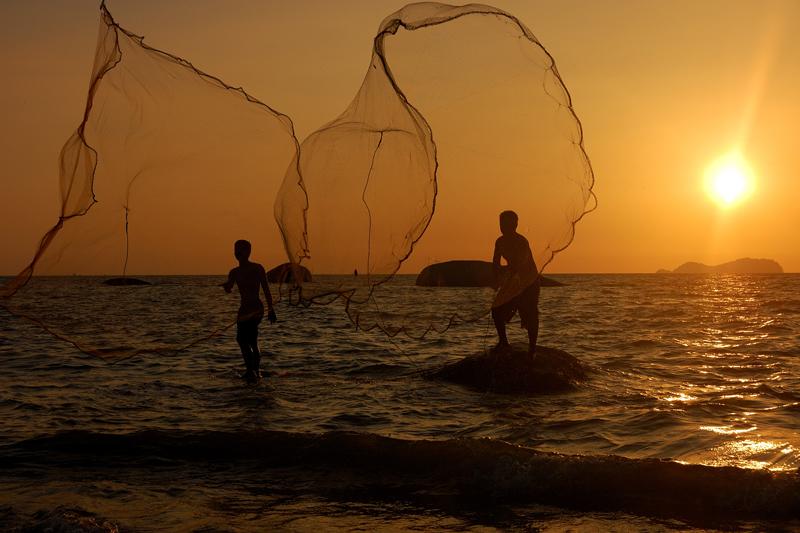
point(461, 115)
point(168, 168)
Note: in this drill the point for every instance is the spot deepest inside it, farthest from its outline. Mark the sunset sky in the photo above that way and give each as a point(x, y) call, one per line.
point(666, 91)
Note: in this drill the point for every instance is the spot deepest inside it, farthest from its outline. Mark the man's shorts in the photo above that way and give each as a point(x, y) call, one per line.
point(526, 303)
point(247, 323)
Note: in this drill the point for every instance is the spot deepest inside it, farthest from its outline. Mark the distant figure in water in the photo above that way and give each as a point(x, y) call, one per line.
point(250, 278)
point(519, 289)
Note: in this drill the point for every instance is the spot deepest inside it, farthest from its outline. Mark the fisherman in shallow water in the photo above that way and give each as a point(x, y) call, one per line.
point(518, 287)
point(250, 278)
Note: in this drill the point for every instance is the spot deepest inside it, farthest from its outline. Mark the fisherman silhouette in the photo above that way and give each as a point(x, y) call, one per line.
point(518, 287)
point(250, 278)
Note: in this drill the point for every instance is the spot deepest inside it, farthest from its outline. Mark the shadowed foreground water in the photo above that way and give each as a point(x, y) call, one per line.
point(701, 370)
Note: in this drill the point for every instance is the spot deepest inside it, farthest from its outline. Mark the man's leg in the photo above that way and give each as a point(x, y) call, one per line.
point(533, 333)
point(529, 314)
point(499, 317)
point(254, 344)
point(241, 339)
point(255, 355)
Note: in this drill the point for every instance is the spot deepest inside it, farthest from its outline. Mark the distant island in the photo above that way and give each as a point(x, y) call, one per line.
point(125, 282)
point(745, 265)
point(464, 273)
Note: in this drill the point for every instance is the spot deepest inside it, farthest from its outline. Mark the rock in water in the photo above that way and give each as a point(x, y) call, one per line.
point(126, 281)
point(285, 274)
point(552, 370)
point(465, 273)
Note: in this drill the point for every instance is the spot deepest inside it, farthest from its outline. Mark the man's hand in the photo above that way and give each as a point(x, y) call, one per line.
point(227, 286)
point(500, 278)
point(271, 316)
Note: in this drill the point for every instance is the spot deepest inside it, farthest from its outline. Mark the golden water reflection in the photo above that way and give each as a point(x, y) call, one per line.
point(730, 324)
point(728, 430)
point(754, 454)
point(679, 397)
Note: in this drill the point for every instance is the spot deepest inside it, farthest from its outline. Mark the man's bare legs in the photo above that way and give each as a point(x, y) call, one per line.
point(500, 326)
point(247, 338)
point(533, 334)
point(503, 344)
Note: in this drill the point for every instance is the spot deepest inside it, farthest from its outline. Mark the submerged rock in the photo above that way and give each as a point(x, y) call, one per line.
point(515, 372)
point(284, 273)
point(465, 273)
point(117, 282)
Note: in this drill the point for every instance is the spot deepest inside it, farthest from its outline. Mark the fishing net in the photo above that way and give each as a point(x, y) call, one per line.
point(168, 168)
point(461, 115)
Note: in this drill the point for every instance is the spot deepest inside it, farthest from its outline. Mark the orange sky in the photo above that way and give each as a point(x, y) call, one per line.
point(662, 88)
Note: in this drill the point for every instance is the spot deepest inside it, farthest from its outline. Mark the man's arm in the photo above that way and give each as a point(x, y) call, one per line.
point(496, 265)
point(228, 285)
point(265, 285)
point(529, 256)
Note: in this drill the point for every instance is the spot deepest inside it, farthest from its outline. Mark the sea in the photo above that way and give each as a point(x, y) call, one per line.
point(688, 419)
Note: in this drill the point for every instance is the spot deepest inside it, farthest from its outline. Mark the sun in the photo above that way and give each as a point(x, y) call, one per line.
point(729, 180)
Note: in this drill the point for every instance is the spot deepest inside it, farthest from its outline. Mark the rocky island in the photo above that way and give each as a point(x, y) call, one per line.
point(745, 265)
point(285, 274)
point(125, 282)
point(464, 273)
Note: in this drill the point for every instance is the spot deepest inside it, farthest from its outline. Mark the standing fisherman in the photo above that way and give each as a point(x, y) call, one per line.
point(250, 278)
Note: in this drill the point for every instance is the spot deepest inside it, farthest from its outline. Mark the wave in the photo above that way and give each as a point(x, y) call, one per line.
point(484, 470)
point(779, 394)
point(65, 519)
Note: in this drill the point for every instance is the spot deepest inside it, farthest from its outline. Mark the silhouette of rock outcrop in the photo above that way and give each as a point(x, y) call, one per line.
point(740, 266)
point(121, 282)
point(284, 274)
point(552, 370)
point(464, 273)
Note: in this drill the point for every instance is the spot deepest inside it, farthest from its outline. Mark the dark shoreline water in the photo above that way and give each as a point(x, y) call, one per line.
point(700, 370)
point(486, 470)
point(473, 479)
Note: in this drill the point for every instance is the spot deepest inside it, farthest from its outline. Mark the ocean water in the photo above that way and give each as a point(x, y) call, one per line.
point(688, 418)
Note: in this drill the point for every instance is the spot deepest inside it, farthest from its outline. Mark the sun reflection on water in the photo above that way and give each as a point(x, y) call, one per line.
point(729, 375)
point(753, 454)
point(679, 397)
point(727, 430)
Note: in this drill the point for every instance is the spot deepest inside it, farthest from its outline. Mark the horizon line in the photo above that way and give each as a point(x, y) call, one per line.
point(223, 274)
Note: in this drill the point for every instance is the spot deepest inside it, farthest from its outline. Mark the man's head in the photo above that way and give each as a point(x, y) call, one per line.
point(241, 250)
point(508, 222)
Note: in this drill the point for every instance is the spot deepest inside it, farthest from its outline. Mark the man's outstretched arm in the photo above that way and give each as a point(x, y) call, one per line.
point(228, 285)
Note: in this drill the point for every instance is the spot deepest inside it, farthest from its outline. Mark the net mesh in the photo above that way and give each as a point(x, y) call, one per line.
point(373, 192)
point(171, 165)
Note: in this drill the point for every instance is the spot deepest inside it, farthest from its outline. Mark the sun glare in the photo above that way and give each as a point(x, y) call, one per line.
point(729, 180)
